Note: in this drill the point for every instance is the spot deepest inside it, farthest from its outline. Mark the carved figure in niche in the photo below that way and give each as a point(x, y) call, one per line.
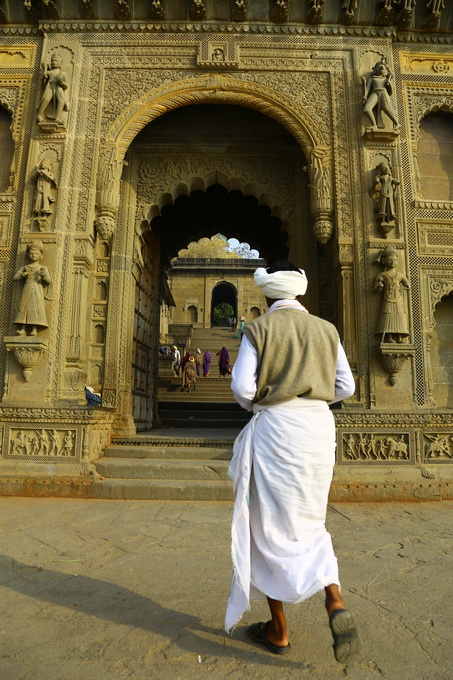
point(44, 192)
point(376, 95)
point(392, 323)
point(218, 54)
point(55, 84)
point(383, 189)
point(32, 311)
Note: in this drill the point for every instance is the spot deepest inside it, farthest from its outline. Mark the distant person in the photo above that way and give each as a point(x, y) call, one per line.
point(241, 328)
point(206, 364)
point(233, 324)
point(184, 360)
point(189, 374)
point(290, 367)
point(198, 361)
point(224, 362)
point(176, 361)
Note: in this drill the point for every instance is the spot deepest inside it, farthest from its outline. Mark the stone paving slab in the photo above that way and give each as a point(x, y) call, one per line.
point(104, 590)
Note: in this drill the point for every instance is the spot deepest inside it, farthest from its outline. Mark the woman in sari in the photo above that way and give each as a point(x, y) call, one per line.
point(224, 362)
point(206, 364)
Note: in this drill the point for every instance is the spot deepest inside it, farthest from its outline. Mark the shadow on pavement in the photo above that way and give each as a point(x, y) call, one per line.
point(119, 605)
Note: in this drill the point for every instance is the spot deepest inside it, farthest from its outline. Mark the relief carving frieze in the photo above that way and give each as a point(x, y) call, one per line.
point(373, 447)
point(42, 443)
point(438, 447)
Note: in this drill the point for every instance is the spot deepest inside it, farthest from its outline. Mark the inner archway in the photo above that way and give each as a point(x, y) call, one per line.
point(224, 294)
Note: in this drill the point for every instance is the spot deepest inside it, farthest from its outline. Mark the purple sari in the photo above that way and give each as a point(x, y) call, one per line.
point(206, 364)
point(224, 361)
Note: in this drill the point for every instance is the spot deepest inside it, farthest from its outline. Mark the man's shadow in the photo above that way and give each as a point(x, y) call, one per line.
point(114, 603)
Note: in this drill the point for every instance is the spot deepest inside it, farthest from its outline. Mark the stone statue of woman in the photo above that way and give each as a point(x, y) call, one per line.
point(392, 323)
point(32, 312)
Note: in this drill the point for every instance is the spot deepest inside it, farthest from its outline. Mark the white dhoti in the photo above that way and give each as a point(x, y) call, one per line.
point(282, 469)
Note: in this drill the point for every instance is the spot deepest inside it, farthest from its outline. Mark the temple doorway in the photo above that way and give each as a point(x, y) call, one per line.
point(223, 303)
point(206, 169)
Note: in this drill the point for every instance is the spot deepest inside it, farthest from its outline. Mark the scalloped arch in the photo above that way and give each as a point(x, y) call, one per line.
point(184, 188)
point(214, 89)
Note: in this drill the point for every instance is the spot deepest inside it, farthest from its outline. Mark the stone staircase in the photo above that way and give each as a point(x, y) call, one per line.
point(188, 458)
point(167, 465)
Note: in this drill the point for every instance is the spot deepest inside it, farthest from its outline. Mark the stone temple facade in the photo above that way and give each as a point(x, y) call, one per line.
point(320, 130)
point(198, 285)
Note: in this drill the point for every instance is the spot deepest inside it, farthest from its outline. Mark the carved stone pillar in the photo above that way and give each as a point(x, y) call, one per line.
point(321, 201)
point(347, 302)
point(108, 192)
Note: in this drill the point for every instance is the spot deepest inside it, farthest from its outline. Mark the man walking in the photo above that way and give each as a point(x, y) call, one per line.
point(290, 366)
point(176, 361)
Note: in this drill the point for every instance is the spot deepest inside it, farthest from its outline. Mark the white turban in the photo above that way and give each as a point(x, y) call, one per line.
point(281, 285)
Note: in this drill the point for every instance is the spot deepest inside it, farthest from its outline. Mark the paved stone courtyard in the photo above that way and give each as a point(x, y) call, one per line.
point(100, 590)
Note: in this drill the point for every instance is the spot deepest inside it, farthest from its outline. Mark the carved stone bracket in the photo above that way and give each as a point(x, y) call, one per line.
point(321, 200)
point(393, 357)
point(28, 351)
point(377, 135)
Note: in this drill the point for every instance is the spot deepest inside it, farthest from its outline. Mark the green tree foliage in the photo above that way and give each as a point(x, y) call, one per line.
point(221, 313)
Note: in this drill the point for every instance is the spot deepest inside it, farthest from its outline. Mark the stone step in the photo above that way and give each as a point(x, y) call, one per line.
point(202, 414)
point(168, 464)
point(197, 422)
point(164, 452)
point(159, 469)
point(162, 490)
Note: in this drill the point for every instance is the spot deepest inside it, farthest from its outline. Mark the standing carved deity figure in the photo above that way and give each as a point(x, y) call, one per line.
point(376, 95)
point(383, 189)
point(392, 324)
point(55, 83)
point(45, 185)
point(32, 312)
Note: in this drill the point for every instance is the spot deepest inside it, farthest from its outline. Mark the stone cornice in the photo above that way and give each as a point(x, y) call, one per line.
point(229, 28)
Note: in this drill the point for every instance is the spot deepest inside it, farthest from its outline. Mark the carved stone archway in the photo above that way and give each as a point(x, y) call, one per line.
point(206, 89)
point(216, 89)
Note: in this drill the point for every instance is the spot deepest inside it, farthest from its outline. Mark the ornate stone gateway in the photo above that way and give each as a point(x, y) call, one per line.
point(127, 124)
